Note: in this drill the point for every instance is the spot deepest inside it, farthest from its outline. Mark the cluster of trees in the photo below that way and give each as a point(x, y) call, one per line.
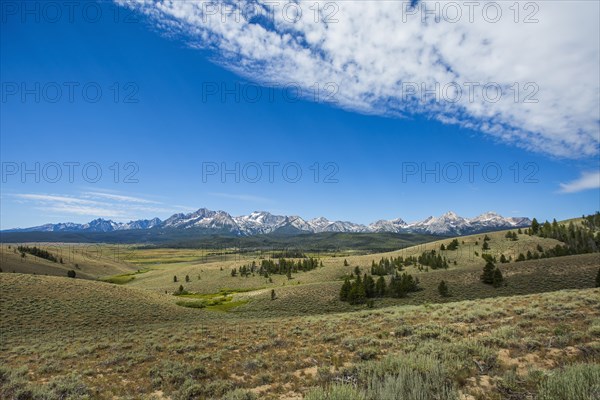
point(556, 251)
point(359, 290)
point(387, 266)
point(592, 221)
point(433, 260)
point(282, 266)
point(35, 251)
point(512, 235)
point(492, 275)
point(288, 253)
point(452, 246)
point(578, 239)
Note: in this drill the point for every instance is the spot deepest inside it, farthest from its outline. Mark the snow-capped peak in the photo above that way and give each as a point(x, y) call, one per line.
point(262, 222)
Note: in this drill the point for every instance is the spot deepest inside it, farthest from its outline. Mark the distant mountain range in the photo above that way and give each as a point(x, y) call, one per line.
point(262, 222)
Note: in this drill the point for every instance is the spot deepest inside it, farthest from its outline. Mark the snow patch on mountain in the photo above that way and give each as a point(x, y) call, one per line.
point(263, 222)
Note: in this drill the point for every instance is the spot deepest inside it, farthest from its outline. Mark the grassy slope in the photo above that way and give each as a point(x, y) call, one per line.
point(519, 338)
point(30, 302)
point(93, 260)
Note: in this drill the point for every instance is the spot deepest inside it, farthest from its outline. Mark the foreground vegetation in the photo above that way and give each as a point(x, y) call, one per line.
point(545, 344)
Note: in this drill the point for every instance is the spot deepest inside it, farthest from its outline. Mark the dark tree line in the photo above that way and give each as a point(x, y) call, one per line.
point(578, 239)
point(34, 251)
point(358, 290)
point(433, 260)
point(289, 253)
point(281, 267)
point(388, 266)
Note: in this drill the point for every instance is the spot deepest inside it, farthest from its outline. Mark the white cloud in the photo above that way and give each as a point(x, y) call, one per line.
point(587, 181)
point(113, 206)
point(118, 197)
point(376, 49)
point(55, 199)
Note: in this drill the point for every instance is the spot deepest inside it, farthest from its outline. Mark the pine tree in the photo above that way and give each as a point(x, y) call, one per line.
point(273, 296)
point(443, 289)
point(187, 278)
point(175, 278)
point(535, 226)
point(503, 259)
point(485, 246)
point(497, 278)
point(71, 273)
point(380, 286)
point(488, 273)
point(369, 284)
point(345, 290)
point(598, 278)
point(357, 293)
point(346, 263)
point(442, 247)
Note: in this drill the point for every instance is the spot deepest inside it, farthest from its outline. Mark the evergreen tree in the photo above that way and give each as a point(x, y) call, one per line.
point(442, 247)
point(233, 272)
point(443, 289)
point(380, 286)
point(598, 278)
point(521, 257)
point(520, 231)
point(357, 293)
point(503, 259)
point(345, 290)
point(485, 246)
point(273, 296)
point(346, 263)
point(71, 273)
point(453, 245)
point(488, 273)
point(187, 278)
point(369, 284)
point(357, 271)
point(535, 226)
point(175, 278)
point(497, 278)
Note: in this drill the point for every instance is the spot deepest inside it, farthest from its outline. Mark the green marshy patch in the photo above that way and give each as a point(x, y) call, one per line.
point(123, 278)
point(222, 301)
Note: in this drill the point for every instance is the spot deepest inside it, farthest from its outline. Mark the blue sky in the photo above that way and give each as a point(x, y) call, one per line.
point(171, 121)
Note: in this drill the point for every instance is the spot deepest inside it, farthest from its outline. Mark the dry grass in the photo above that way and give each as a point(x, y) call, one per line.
point(142, 343)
